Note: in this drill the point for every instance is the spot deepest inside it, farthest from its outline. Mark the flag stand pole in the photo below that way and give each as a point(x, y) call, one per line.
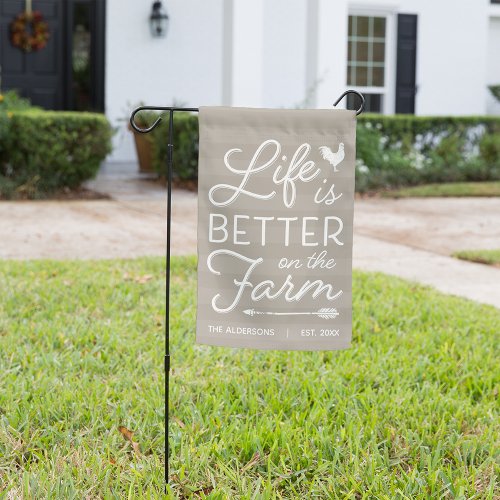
point(170, 154)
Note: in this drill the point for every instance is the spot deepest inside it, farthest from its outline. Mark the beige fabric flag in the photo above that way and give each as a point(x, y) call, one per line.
point(275, 214)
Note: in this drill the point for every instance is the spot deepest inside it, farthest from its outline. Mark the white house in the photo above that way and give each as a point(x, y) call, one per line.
point(429, 57)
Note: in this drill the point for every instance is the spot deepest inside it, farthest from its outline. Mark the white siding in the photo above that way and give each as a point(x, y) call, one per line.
point(272, 53)
point(185, 67)
point(493, 73)
point(451, 57)
point(248, 50)
point(285, 45)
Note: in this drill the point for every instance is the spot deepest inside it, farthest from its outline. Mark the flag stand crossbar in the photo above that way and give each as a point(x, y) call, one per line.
point(170, 151)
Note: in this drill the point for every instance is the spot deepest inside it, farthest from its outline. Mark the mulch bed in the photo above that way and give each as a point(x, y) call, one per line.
point(191, 185)
point(80, 193)
point(64, 194)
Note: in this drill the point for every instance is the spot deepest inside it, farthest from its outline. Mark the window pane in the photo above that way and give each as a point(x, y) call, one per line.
point(351, 76)
point(81, 57)
point(378, 51)
point(378, 77)
point(373, 102)
point(350, 23)
point(349, 51)
point(379, 27)
point(362, 26)
point(361, 76)
point(362, 51)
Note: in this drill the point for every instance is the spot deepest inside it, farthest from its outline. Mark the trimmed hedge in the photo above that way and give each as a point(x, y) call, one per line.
point(186, 140)
point(10, 101)
point(392, 151)
point(406, 150)
point(44, 151)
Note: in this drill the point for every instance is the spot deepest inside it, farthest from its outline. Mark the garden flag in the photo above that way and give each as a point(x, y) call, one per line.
point(275, 215)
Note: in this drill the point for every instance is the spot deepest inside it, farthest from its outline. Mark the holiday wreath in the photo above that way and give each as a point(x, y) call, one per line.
point(29, 31)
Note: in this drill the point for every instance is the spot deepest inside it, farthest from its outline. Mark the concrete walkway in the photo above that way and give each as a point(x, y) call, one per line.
point(414, 238)
point(410, 238)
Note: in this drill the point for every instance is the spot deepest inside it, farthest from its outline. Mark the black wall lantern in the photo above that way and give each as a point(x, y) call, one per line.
point(158, 20)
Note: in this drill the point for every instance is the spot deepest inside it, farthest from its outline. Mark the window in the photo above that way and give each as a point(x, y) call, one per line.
point(373, 102)
point(366, 58)
point(85, 54)
point(82, 56)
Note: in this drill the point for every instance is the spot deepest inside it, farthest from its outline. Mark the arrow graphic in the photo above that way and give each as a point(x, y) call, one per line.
point(325, 313)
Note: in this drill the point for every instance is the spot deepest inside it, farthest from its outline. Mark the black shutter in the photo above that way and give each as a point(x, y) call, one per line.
point(406, 63)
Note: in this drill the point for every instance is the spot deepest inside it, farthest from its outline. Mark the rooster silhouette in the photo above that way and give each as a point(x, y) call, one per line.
point(333, 158)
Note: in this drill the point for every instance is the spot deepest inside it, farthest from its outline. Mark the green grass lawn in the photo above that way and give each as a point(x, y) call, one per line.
point(490, 257)
point(450, 189)
point(410, 411)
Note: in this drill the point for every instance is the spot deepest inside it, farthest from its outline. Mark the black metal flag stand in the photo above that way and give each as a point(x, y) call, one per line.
point(170, 152)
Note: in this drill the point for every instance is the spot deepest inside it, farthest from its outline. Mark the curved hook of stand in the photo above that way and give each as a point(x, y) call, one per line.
point(359, 94)
point(147, 129)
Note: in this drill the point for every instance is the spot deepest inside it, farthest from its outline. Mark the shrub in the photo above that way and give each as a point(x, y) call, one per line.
point(420, 150)
point(185, 146)
point(9, 102)
point(392, 151)
point(495, 91)
point(44, 151)
point(185, 141)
